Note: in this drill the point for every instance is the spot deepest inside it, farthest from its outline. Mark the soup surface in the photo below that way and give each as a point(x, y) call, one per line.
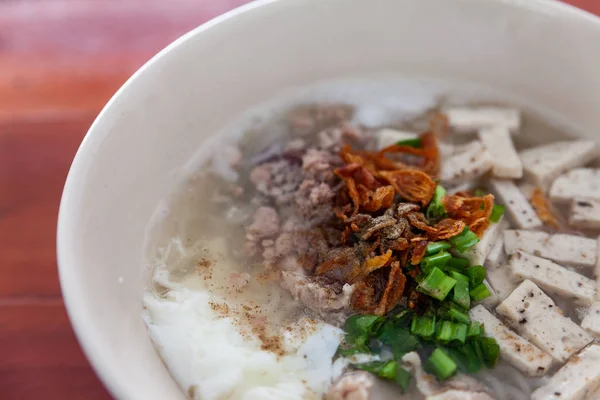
point(382, 240)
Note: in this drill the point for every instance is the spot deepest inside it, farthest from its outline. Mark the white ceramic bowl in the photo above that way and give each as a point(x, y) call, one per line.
point(541, 52)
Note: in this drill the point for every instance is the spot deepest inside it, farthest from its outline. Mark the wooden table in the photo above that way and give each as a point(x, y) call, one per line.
point(60, 61)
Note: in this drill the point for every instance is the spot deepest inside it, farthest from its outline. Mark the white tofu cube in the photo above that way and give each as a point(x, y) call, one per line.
point(471, 162)
point(523, 355)
point(591, 321)
point(499, 144)
point(585, 214)
point(516, 205)
point(472, 119)
point(575, 380)
point(387, 137)
point(502, 281)
point(478, 253)
point(497, 255)
point(527, 189)
point(541, 165)
point(562, 248)
point(579, 182)
point(462, 187)
point(534, 316)
point(597, 270)
point(552, 277)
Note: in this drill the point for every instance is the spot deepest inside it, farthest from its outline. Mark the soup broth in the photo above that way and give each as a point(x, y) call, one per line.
point(243, 306)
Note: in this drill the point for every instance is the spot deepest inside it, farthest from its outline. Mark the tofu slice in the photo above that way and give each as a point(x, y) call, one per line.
point(387, 137)
point(502, 281)
point(562, 248)
point(462, 187)
point(597, 271)
point(541, 165)
point(575, 380)
point(591, 321)
point(523, 355)
point(478, 253)
point(552, 277)
point(585, 214)
point(534, 316)
point(506, 161)
point(472, 119)
point(579, 182)
point(517, 206)
point(527, 189)
point(471, 162)
point(497, 255)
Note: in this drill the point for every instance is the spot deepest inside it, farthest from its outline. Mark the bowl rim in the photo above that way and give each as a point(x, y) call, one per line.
point(76, 312)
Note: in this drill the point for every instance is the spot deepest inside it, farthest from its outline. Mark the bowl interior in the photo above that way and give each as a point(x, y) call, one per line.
point(542, 54)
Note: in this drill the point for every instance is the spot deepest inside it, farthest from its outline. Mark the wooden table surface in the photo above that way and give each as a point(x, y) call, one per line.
point(60, 61)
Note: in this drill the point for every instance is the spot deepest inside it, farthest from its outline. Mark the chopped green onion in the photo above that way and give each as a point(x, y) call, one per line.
point(436, 247)
point(490, 350)
point(387, 370)
point(497, 213)
point(423, 326)
point(461, 290)
point(436, 284)
point(475, 329)
point(436, 209)
point(476, 275)
point(454, 314)
point(383, 369)
point(359, 325)
point(416, 142)
point(359, 329)
point(465, 357)
point(464, 240)
point(403, 318)
point(399, 339)
point(402, 378)
point(457, 264)
point(437, 260)
point(449, 331)
point(480, 292)
point(440, 365)
point(476, 345)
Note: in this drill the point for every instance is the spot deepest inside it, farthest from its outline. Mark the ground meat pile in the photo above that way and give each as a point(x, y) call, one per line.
point(345, 229)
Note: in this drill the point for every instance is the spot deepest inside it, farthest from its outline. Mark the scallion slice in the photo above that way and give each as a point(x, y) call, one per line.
point(461, 294)
point(416, 142)
point(436, 284)
point(436, 247)
point(465, 357)
point(440, 365)
point(457, 264)
point(436, 209)
point(475, 329)
point(476, 275)
point(438, 260)
point(455, 314)
point(480, 292)
point(387, 370)
point(464, 240)
point(497, 213)
point(423, 326)
point(490, 350)
point(449, 331)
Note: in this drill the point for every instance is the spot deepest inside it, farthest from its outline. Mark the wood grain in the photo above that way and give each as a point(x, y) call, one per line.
point(60, 61)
